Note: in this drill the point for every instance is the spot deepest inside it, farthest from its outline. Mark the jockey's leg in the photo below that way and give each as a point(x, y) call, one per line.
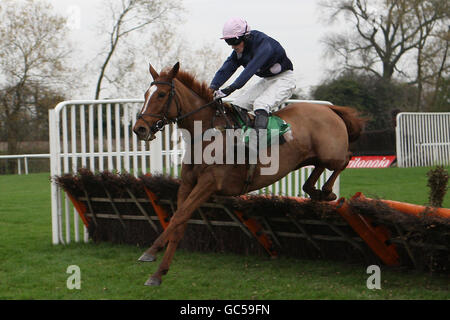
point(247, 96)
point(278, 89)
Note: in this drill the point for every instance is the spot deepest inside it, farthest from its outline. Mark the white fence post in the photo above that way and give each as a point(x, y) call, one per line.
point(25, 162)
point(156, 151)
point(54, 170)
point(19, 167)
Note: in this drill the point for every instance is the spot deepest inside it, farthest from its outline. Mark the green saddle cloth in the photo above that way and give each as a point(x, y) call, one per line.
point(275, 127)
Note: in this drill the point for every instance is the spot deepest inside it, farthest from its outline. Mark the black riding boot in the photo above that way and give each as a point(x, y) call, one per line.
point(260, 122)
point(261, 119)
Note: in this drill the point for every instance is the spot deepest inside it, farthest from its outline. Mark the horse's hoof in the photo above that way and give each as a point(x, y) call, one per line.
point(147, 257)
point(329, 196)
point(315, 195)
point(153, 282)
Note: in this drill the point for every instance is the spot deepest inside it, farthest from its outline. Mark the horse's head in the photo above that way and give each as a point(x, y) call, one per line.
point(160, 106)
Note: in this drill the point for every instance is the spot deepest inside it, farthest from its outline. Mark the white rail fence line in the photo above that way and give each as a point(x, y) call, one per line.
point(423, 139)
point(25, 158)
point(97, 134)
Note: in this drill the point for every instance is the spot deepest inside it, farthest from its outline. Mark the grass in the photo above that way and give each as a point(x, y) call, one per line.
point(32, 268)
point(400, 184)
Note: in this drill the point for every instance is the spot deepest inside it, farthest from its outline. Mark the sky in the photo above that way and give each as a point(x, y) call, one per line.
point(296, 24)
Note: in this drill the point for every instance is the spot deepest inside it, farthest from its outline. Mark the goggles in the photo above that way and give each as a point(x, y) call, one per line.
point(234, 41)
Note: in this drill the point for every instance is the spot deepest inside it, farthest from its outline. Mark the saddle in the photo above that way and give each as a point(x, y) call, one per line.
point(245, 121)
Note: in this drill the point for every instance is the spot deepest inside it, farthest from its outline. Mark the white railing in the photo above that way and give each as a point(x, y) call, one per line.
point(24, 158)
point(423, 139)
point(97, 134)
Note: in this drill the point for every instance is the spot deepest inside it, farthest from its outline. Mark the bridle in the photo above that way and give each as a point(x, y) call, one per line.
point(163, 117)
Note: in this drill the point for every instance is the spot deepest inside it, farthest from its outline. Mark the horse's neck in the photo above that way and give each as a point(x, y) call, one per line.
point(190, 102)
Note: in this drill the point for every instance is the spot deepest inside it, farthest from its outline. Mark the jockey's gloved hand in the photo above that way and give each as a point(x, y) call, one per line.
point(222, 93)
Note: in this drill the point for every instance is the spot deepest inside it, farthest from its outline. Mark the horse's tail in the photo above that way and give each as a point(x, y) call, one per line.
point(352, 120)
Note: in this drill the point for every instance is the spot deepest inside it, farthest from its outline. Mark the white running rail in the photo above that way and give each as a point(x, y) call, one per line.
point(423, 139)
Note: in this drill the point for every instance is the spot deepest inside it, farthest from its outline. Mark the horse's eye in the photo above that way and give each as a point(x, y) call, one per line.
point(161, 94)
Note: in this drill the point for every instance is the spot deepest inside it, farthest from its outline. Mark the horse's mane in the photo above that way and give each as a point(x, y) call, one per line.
point(199, 87)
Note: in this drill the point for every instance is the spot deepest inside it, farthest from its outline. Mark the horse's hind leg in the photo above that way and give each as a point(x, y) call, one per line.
point(326, 194)
point(327, 189)
point(309, 186)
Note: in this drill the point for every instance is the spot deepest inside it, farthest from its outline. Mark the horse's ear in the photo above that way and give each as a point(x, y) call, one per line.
point(174, 71)
point(153, 72)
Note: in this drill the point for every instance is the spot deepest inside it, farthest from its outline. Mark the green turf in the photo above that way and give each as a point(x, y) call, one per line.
point(32, 268)
point(400, 184)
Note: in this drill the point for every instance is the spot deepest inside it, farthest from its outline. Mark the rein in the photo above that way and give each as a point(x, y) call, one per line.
point(164, 118)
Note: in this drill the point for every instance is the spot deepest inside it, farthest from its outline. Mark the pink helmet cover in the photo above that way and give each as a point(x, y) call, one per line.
point(234, 28)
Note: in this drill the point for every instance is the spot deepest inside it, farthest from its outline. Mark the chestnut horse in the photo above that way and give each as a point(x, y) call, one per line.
point(320, 136)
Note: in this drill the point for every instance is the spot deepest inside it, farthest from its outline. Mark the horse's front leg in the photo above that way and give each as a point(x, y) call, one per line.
point(150, 254)
point(174, 238)
point(203, 190)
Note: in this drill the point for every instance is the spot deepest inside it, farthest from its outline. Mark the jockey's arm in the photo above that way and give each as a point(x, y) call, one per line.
point(225, 72)
point(262, 55)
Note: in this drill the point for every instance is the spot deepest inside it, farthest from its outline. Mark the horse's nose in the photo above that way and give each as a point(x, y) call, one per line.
point(141, 131)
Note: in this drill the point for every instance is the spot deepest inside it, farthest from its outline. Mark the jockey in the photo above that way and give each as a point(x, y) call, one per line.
point(261, 55)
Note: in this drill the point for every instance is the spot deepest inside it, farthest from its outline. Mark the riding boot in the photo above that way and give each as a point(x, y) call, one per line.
point(261, 120)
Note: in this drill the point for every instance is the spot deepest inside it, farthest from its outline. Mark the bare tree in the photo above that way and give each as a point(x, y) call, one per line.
point(162, 47)
point(432, 49)
point(384, 32)
point(207, 60)
point(33, 54)
point(202, 61)
point(441, 69)
point(130, 16)
point(432, 68)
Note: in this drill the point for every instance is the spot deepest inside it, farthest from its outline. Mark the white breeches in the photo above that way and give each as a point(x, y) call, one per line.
point(267, 93)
